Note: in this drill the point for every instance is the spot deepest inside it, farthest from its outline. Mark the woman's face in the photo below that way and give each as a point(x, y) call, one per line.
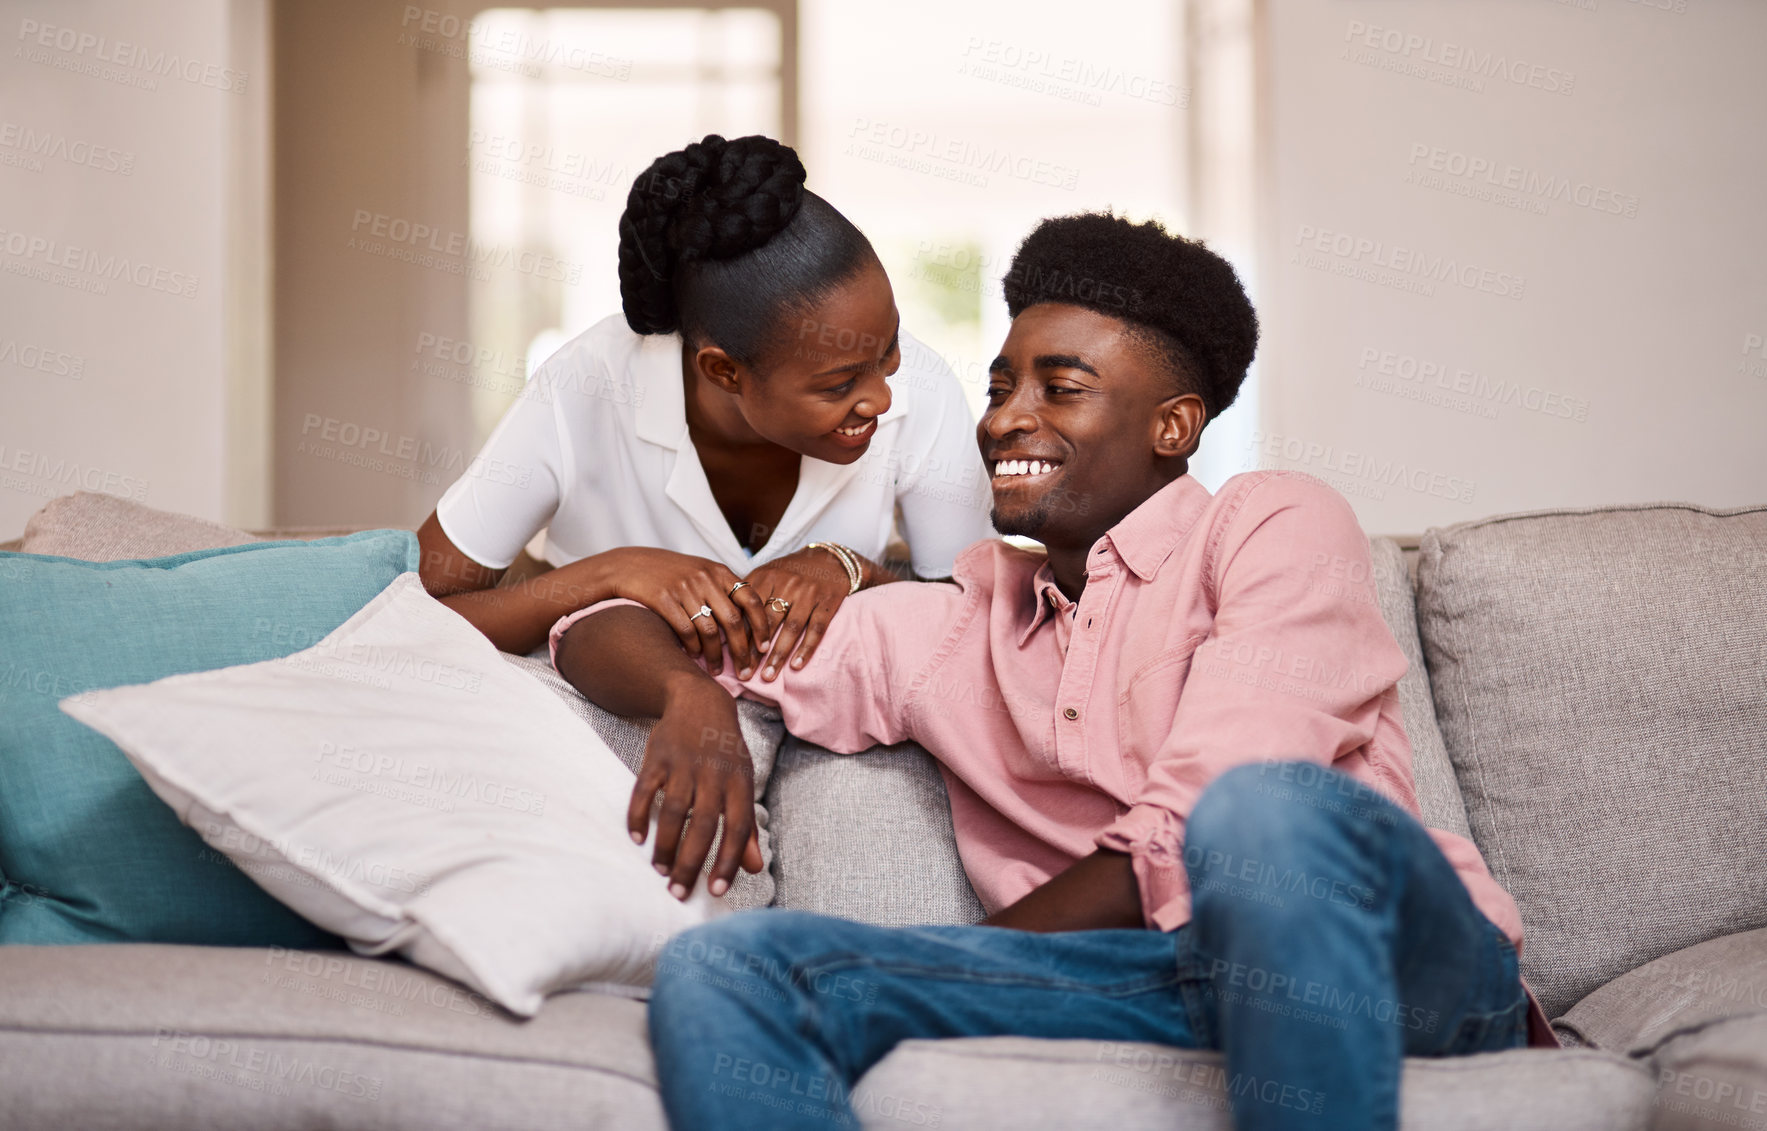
point(822, 386)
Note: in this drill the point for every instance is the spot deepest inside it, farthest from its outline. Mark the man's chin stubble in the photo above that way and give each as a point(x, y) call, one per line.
point(1025, 525)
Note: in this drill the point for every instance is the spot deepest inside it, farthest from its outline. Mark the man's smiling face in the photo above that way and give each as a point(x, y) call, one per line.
point(1084, 423)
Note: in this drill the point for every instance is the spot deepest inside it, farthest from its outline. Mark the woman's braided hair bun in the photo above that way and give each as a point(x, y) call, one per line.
point(714, 200)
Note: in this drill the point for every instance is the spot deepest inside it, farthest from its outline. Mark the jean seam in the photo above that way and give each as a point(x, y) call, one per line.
point(959, 974)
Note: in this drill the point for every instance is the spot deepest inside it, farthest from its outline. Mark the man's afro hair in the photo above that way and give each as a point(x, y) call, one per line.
point(1185, 299)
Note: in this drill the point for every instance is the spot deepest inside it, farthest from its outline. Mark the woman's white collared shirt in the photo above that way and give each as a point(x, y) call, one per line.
point(596, 452)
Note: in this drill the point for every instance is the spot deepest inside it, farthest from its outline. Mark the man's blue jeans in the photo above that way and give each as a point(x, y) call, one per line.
point(1329, 938)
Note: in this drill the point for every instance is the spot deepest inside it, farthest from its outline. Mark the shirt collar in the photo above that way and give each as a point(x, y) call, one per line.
point(1146, 536)
point(1143, 540)
point(662, 403)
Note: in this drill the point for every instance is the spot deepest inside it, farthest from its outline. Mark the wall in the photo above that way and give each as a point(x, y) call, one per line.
point(369, 133)
point(1537, 287)
point(133, 256)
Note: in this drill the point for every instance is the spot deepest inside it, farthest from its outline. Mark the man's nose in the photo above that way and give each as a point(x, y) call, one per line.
point(1012, 415)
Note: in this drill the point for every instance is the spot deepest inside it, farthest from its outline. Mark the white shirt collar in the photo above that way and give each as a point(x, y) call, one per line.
point(661, 419)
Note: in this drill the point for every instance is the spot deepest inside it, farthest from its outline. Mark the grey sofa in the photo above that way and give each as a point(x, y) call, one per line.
point(1587, 699)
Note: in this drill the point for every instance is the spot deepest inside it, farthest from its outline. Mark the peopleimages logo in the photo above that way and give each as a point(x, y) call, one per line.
point(129, 56)
point(1354, 472)
point(1398, 265)
point(1529, 183)
point(93, 269)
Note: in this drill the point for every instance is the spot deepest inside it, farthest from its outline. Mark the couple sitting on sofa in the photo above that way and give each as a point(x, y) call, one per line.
point(1178, 775)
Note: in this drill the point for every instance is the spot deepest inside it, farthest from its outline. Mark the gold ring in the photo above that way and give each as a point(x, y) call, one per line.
point(779, 603)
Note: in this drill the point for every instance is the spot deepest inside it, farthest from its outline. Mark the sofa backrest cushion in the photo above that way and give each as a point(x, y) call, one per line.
point(88, 853)
point(1438, 794)
point(866, 836)
point(630, 738)
point(97, 527)
point(1600, 677)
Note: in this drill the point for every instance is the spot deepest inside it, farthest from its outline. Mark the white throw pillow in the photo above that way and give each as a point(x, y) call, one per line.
point(402, 786)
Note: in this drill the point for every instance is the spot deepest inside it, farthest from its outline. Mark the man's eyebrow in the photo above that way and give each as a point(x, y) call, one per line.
point(895, 338)
point(1063, 361)
point(999, 364)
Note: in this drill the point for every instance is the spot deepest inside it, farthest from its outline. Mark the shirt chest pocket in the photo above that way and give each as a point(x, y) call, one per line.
point(1146, 707)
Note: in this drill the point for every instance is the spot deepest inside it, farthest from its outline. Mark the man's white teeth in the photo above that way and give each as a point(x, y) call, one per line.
point(1024, 467)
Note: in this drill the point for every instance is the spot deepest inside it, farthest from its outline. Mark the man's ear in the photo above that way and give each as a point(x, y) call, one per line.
point(719, 368)
point(1180, 426)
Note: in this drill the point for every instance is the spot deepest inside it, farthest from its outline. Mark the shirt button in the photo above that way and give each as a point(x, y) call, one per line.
point(1071, 714)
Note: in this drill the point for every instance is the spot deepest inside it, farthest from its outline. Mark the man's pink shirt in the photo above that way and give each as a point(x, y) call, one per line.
point(1213, 631)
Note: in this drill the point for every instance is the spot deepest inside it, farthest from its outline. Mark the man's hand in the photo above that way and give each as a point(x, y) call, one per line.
point(699, 763)
point(812, 585)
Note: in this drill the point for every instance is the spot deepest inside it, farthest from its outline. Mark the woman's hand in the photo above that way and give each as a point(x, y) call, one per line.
point(698, 761)
point(676, 586)
point(811, 584)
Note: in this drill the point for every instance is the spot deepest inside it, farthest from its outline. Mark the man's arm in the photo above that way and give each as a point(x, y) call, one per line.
point(1296, 666)
point(696, 756)
point(851, 697)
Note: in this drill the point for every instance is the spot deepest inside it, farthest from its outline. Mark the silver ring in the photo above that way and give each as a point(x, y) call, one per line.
point(704, 611)
point(779, 603)
point(734, 588)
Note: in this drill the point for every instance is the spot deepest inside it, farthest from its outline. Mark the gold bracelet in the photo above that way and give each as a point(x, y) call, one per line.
point(849, 562)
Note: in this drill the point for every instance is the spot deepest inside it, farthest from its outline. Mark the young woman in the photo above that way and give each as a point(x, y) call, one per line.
point(730, 453)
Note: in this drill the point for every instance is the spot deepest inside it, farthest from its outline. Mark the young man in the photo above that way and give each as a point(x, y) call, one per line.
point(1190, 814)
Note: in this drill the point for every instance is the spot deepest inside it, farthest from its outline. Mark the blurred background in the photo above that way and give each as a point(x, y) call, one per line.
point(285, 262)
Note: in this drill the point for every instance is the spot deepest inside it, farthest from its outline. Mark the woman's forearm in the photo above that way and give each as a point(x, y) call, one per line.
point(517, 618)
point(875, 573)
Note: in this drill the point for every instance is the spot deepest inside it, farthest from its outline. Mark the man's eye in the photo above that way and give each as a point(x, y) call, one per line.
point(996, 391)
point(843, 388)
point(1054, 389)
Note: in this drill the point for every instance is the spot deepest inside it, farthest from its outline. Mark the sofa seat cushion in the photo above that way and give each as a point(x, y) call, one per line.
point(1692, 988)
point(196, 1038)
point(1039, 1085)
point(1713, 1076)
point(1599, 683)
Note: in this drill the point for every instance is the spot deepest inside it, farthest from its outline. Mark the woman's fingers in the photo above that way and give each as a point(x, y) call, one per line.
point(705, 625)
point(734, 624)
point(813, 633)
point(795, 621)
point(754, 611)
point(687, 631)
